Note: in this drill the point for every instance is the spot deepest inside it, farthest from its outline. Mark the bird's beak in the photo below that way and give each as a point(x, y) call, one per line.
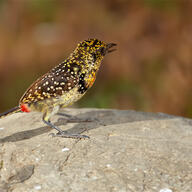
point(109, 47)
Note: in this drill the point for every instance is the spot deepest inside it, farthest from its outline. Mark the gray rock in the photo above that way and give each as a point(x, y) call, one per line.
point(127, 151)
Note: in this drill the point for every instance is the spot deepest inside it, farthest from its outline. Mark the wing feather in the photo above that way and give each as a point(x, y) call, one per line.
point(55, 83)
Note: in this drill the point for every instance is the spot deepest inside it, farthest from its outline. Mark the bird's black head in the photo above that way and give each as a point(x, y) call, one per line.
point(94, 50)
point(96, 46)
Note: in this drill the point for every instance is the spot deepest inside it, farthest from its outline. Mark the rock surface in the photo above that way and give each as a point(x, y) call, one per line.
point(127, 151)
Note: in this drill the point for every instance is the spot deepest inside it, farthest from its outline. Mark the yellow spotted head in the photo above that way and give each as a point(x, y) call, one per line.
point(92, 51)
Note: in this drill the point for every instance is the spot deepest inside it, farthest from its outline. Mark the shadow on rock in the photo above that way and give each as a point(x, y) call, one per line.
point(25, 135)
point(99, 118)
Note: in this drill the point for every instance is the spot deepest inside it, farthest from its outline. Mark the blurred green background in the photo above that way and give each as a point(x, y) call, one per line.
point(150, 71)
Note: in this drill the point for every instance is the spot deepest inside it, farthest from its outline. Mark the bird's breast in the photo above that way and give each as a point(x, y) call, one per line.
point(90, 79)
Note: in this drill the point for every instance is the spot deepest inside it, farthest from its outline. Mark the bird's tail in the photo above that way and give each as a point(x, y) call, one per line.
point(10, 111)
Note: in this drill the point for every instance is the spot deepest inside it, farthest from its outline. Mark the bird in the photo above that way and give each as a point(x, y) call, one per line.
point(64, 84)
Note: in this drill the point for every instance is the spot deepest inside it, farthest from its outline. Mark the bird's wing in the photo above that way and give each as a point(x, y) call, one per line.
point(56, 82)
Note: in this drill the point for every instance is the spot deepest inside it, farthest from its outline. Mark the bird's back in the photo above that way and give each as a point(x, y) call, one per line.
point(62, 81)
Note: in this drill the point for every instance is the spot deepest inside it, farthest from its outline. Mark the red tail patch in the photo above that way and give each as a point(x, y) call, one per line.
point(25, 108)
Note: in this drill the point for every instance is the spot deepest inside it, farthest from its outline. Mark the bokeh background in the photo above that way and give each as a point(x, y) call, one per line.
point(150, 71)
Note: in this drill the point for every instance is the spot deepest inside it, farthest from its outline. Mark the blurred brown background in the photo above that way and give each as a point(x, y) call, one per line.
point(150, 71)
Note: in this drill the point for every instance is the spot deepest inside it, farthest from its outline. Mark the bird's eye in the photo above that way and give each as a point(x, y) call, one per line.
point(94, 57)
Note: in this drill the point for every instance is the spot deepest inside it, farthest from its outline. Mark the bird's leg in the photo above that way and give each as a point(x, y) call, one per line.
point(60, 133)
point(74, 119)
point(52, 126)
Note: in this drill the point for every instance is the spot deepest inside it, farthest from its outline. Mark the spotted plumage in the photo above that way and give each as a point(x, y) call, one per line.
point(65, 83)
